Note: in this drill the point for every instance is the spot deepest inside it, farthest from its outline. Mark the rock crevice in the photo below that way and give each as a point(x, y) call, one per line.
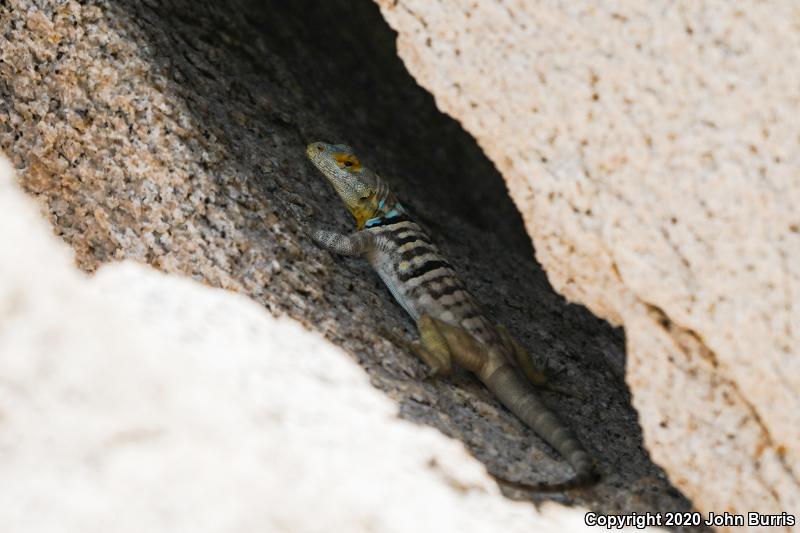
point(171, 133)
point(652, 152)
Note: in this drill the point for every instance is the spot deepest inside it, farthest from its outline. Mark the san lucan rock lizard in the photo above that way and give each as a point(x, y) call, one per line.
point(451, 326)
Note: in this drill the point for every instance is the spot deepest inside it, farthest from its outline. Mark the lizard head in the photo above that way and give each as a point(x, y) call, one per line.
point(363, 192)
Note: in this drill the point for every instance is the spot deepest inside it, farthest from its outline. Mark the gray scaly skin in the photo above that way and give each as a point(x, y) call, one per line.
point(451, 325)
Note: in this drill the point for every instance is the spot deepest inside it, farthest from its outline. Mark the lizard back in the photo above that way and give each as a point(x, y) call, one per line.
point(422, 280)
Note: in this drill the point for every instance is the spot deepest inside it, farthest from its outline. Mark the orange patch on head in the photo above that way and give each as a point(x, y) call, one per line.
point(347, 161)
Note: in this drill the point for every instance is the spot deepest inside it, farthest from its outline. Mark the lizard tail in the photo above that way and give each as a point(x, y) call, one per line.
point(519, 397)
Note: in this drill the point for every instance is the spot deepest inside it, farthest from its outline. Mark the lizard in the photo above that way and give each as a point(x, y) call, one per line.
point(451, 325)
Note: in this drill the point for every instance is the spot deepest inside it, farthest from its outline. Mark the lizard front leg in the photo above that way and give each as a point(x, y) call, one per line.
point(358, 243)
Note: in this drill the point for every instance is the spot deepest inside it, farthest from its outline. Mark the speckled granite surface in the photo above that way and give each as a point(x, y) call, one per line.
point(653, 149)
point(172, 133)
point(199, 420)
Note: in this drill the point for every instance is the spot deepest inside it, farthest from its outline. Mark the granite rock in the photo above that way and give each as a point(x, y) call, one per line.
point(171, 133)
point(652, 150)
point(137, 401)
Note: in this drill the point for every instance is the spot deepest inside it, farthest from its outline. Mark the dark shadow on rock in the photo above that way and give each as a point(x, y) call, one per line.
point(265, 78)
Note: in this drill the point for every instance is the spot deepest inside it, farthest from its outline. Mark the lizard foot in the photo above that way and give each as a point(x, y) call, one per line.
point(398, 340)
point(303, 215)
point(439, 366)
point(394, 337)
point(548, 375)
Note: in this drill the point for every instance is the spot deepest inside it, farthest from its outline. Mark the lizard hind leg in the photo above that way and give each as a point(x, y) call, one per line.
point(464, 348)
point(436, 358)
point(524, 364)
point(522, 359)
point(439, 344)
point(433, 347)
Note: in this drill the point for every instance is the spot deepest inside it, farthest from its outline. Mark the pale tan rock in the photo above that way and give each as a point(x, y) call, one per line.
point(653, 151)
point(171, 133)
point(137, 401)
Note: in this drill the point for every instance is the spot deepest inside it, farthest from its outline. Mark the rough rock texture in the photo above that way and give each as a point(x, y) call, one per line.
point(653, 151)
point(172, 133)
point(135, 401)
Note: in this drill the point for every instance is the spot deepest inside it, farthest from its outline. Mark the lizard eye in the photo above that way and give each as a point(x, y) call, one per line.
point(348, 161)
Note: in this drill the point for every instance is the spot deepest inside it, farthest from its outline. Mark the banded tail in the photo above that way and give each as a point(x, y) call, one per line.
point(519, 397)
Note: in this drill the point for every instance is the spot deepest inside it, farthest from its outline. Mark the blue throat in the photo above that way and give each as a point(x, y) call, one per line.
point(395, 212)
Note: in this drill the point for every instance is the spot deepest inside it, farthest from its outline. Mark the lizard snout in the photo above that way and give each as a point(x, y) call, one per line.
point(314, 149)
